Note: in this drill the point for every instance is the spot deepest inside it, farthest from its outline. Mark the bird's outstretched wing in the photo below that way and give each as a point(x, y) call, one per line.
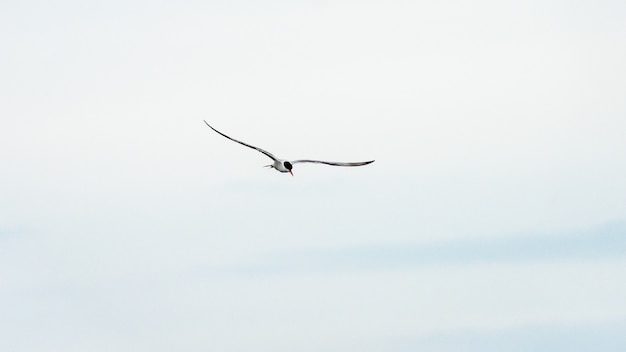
point(333, 163)
point(242, 143)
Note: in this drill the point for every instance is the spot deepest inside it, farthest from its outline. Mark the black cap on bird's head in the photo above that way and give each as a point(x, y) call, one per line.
point(288, 166)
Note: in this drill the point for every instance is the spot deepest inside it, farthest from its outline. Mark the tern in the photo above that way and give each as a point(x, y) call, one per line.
point(286, 165)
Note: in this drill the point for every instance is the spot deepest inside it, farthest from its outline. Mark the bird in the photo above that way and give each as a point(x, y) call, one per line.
point(285, 166)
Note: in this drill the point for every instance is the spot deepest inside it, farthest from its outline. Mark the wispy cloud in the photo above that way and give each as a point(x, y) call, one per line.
point(608, 337)
point(600, 243)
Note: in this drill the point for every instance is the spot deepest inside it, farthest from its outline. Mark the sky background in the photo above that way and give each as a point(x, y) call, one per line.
point(494, 217)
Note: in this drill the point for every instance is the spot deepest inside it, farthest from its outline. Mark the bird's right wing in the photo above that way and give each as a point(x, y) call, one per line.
point(334, 163)
point(242, 143)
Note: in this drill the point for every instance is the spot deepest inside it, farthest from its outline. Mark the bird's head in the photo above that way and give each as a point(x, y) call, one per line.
point(288, 166)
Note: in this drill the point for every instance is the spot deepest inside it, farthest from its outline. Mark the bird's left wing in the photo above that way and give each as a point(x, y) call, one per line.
point(242, 143)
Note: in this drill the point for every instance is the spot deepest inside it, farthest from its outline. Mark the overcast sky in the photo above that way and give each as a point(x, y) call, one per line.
point(494, 217)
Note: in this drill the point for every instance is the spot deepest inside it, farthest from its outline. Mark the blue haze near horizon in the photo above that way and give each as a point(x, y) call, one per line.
point(494, 217)
point(593, 244)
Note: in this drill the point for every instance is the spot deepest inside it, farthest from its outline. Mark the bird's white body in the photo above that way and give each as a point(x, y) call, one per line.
point(279, 165)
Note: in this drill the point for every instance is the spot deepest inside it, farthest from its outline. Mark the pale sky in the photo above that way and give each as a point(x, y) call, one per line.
point(494, 217)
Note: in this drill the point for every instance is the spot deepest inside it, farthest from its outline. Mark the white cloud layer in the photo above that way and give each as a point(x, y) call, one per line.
point(488, 120)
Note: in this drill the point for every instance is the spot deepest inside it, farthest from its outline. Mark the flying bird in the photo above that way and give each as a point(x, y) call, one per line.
point(286, 165)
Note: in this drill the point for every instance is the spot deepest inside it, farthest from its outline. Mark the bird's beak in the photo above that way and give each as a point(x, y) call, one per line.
point(291, 172)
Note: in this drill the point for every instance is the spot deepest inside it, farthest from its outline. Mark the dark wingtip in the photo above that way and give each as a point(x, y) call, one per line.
point(211, 127)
